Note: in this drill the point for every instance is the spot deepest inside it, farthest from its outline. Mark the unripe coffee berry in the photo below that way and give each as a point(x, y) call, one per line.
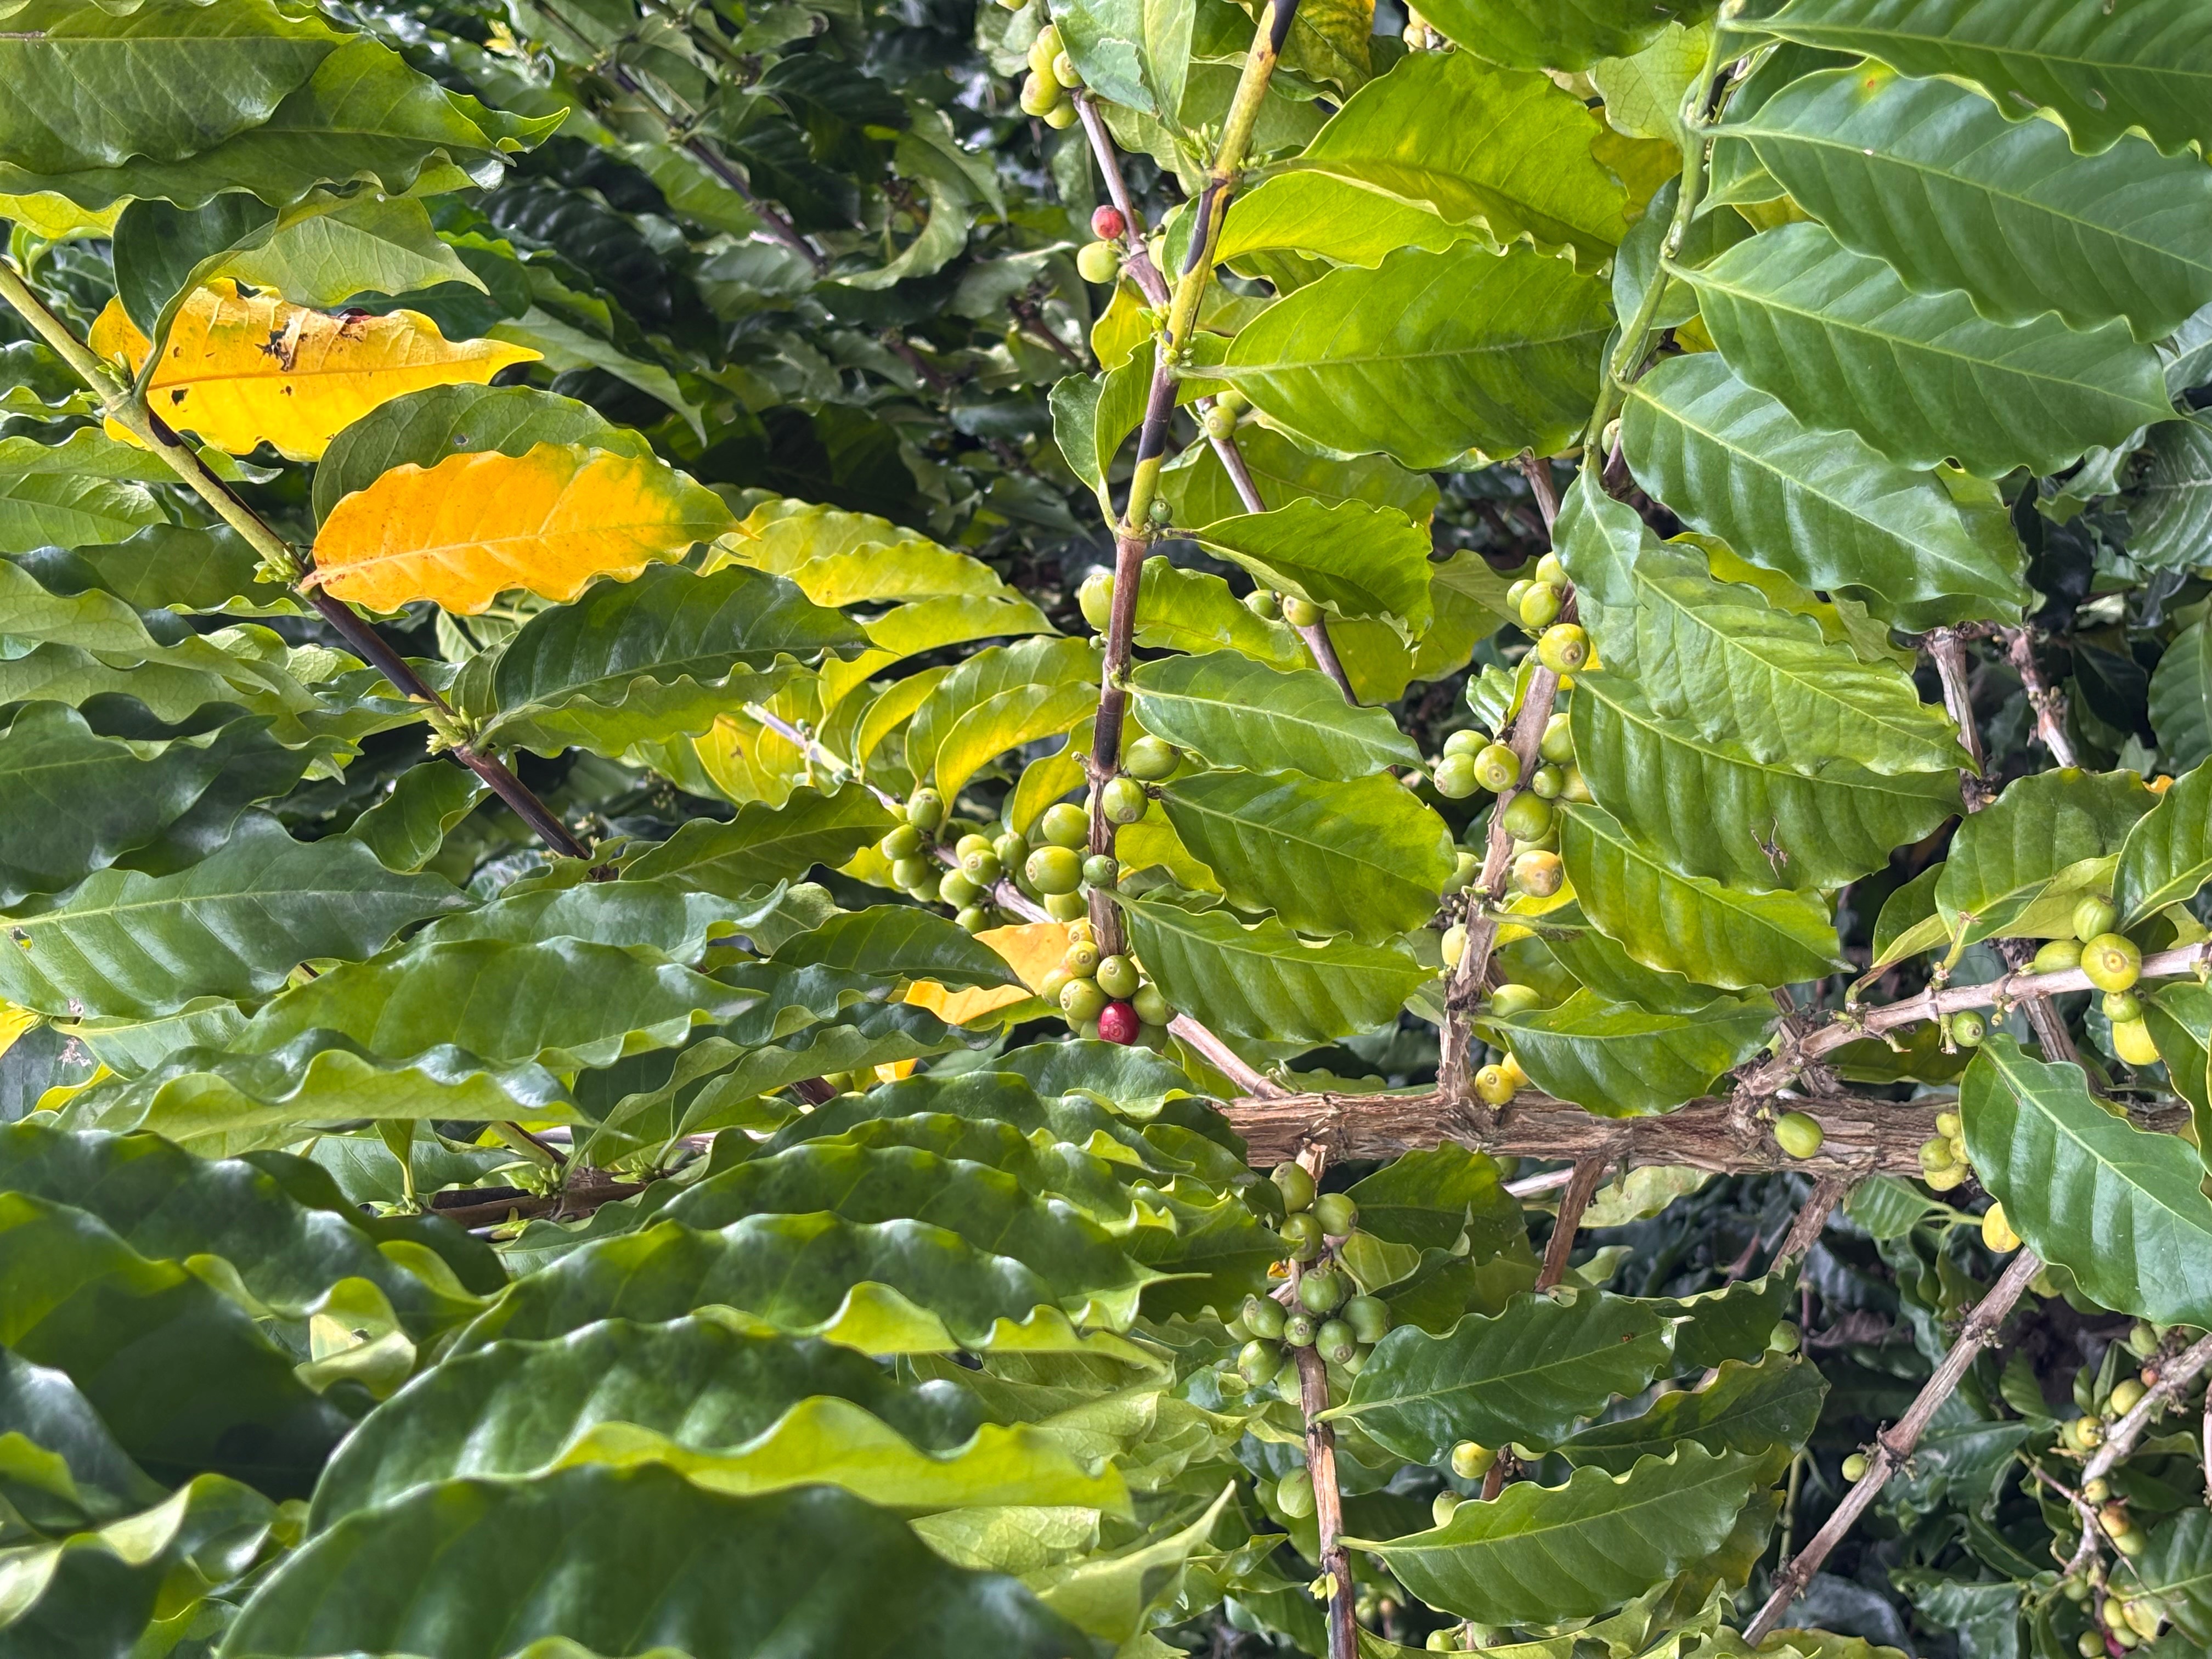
point(1563, 648)
point(2113, 962)
point(1798, 1133)
point(1095, 598)
point(1064, 824)
point(1151, 758)
point(1454, 777)
point(1300, 613)
point(1124, 800)
point(1497, 768)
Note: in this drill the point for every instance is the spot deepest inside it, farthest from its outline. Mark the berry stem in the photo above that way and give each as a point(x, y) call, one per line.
point(1321, 1464)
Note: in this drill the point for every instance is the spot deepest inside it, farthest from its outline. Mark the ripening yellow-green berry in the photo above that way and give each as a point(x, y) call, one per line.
point(1997, 1232)
point(2113, 962)
point(1798, 1133)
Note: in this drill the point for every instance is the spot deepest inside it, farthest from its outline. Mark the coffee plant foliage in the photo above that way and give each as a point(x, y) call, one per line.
point(1104, 827)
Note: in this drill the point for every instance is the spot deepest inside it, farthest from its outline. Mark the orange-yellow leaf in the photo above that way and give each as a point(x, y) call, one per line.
point(1032, 950)
point(475, 525)
point(240, 372)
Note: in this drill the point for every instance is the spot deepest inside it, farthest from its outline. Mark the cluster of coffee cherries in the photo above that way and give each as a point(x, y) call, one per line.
point(1326, 1311)
point(1052, 77)
point(2113, 963)
point(981, 861)
point(1106, 997)
point(1472, 761)
point(2122, 1619)
point(1943, 1160)
point(1100, 261)
point(1562, 648)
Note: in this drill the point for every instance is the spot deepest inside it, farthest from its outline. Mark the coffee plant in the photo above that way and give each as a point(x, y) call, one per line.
point(1091, 828)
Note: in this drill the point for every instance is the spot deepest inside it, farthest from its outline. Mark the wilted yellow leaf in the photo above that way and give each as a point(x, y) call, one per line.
point(239, 372)
point(14, 1022)
point(1032, 950)
point(475, 525)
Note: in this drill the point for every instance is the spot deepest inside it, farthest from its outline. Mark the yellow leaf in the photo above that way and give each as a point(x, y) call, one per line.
point(50, 214)
point(475, 525)
point(1031, 948)
point(239, 372)
point(14, 1022)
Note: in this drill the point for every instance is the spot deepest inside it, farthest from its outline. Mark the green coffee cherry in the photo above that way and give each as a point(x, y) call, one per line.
point(982, 867)
point(1784, 1337)
point(1262, 603)
point(1471, 1461)
point(1294, 1495)
point(2093, 915)
point(1300, 1329)
point(1465, 869)
point(1080, 959)
point(1441, 1507)
point(1296, 1185)
point(2058, 956)
point(1467, 741)
point(1936, 1154)
point(1096, 597)
point(1337, 1214)
point(1065, 907)
point(1454, 944)
point(956, 890)
point(1117, 977)
point(1264, 1316)
point(1055, 869)
point(1551, 572)
point(1335, 1341)
point(972, 918)
point(1855, 1467)
point(1575, 789)
point(1369, 1317)
point(2127, 1395)
point(925, 809)
point(1301, 1237)
point(1081, 999)
point(1288, 1384)
point(1321, 1290)
point(1538, 874)
point(1220, 425)
point(1151, 759)
point(1064, 824)
point(1151, 1007)
point(1012, 851)
point(1563, 648)
point(2120, 1006)
point(1300, 613)
point(903, 843)
point(2113, 962)
point(1968, 1029)
point(912, 872)
point(1558, 740)
point(1518, 591)
point(1065, 72)
point(1454, 777)
point(1101, 870)
point(1798, 1133)
point(1546, 782)
point(1260, 1358)
point(1540, 607)
point(1060, 115)
point(1527, 817)
point(1497, 768)
point(1511, 999)
point(1124, 800)
point(1039, 92)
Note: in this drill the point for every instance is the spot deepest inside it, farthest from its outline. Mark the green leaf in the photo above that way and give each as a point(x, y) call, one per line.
point(644, 661)
point(1692, 925)
point(2177, 1571)
point(1264, 981)
point(1619, 1061)
point(234, 925)
point(2170, 522)
point(324, 252)
point(2181, 698)
point(1354, 559)
point(1821, 506)
point(2168, 856)
point(61, 1469)
point(1723, 658)
point(278, 1220)
point(1504, 150)
point(2099, 72)
point(1837, 338)
point(1237, 712)
point(181, 1374)
point(90, 87)
point(1714, 810)
point(112, 1588)
point(897, 939)
point(1745, 1408)
point(2116, 1206)
point(2004, 855)
point(2179, 1016)
point(884, 1288)
point(84, 489)
point(1539, 1554)
point(1197, 487)
point(1000, 699)
point(1527, 1375)
point(407, 828)
point(1363, 858)
point(1567, 34)
point(1433, 358)
point(169, 566)
point(363, 115)
point(617, 1559)
point(1332, 217)
point(762, 844)
point(1597, 961)
point(422, 427)
point(1933, 179)
point(562, 1003)
point(663, 916)
point(1193, 611)
point(1735, 1321)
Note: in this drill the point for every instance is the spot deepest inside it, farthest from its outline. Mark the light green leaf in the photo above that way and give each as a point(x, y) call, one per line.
point(1192, 610)
point(1504, 150)
point(2100, 71)
point(1566, 34)
point(1363, 858)
point(84, 490)
point(1714, 810)
point(1237, 712)
point(1433, 358)
point(1692, 925)
point(1539, 1554)
point(1354, 559)
point(1264, 981)
point(762, 844)
point(1933, 178)
point(1001, 698)
point(2168, 856)
point(474, 1568)
point(2005, 854)
point(1334, 217)
point(1837, 338)
point(1197, 486)
point(234, 925)
point(1619, 1061)
point(1745, 1408)
point(1722, 658)
point(2177, 1571)
point(1821, 506)
point(2117, 1206)
point(325, 251)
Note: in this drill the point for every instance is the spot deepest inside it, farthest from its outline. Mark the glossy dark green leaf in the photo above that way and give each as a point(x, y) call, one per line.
point(1568, 34)
point(2181, 698)
point(64, 1469)
point(235, 924)
point(2177, 1569)
point(2168, 856)
point(408, 827)
point(1426, 1200)
point(1001, 698)
point(1538, 1554)
point(2170, 520)
point(763, 844)
point(2099, 72)
point(1620, 1060)
point(1265, 981)
point(621, 1560)
point(2005, 854)
point(1838, 338)
point(1527, 1375)
point(2118, 1206)
point(1363, 857)
point(897, 939)
point(181, 1374)
point(1935, 179)
point(1690, 925)
point(1432, 358)
point(1745, 1408)
point(1821, 506)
